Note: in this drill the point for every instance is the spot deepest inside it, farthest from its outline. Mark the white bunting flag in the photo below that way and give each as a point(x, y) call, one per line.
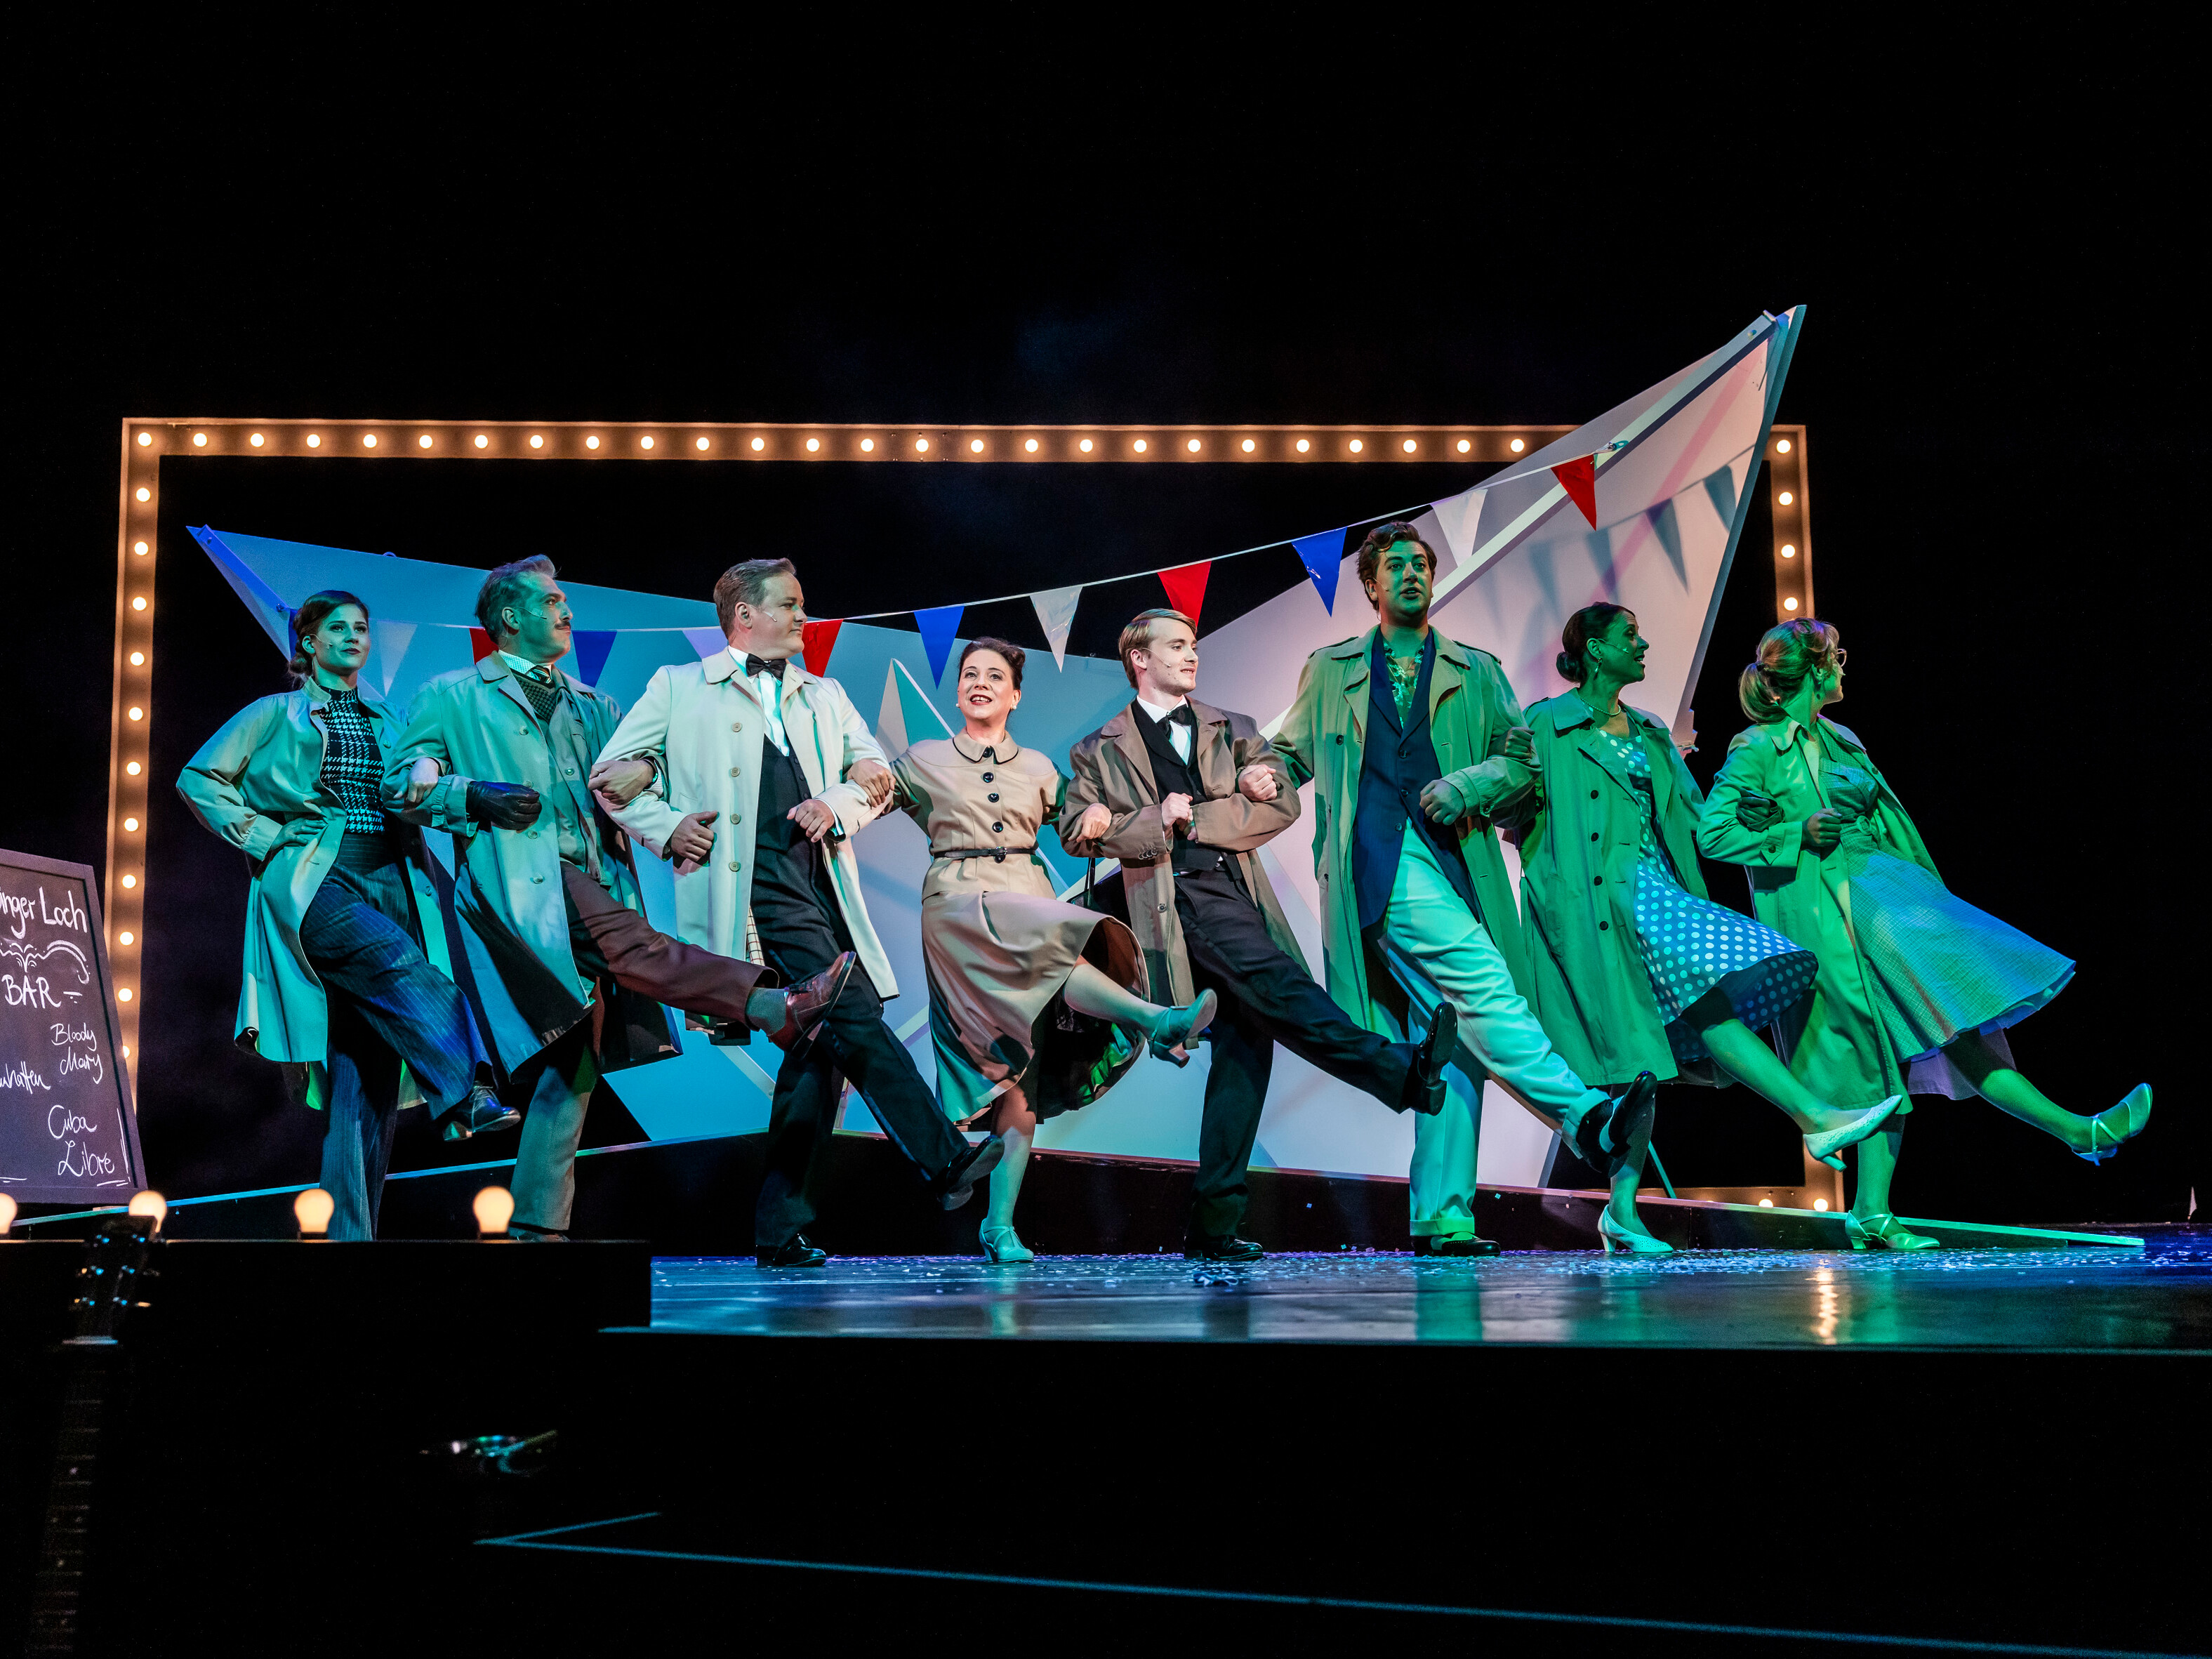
point(1055, 609)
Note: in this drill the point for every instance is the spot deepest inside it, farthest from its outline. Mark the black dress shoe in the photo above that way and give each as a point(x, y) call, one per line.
point(1459, 1244)
point(795, 1253)
point(1602, 1138)
point(957, 1183)
point(1427, 1083)
point(523, 1233)
point(481, 1114)
point(1204, 1247)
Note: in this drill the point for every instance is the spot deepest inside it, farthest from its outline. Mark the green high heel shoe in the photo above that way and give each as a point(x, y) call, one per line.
point(1883, 1229)
point(1003, 1246)
point(1175, 1028)
point(1611, 1233)
point(2132, 1113)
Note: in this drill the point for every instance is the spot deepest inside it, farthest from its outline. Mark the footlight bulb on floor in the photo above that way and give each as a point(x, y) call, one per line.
point(495, 1208)
point(311, 1210)
point(150, 1202)
point(7, 1215)
point(1766, 1203)
point(1820, 1203)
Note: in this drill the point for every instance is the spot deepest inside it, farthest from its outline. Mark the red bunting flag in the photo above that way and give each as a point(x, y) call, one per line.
point(1185, 588)
point(480, 645)
point(1579, 479)
point(818, 640)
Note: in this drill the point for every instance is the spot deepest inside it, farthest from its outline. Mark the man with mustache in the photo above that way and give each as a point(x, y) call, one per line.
point(1418, 919)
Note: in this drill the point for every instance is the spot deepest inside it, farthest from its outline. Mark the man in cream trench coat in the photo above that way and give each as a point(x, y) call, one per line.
point(762, 772)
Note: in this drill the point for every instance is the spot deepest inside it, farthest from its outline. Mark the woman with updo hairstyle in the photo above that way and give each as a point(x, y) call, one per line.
point(1634, 968)
point(1916, 987)
point(1036, 1006)
point(348, 983)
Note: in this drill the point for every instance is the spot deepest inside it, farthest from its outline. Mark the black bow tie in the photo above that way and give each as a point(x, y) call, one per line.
point(1181, 716)
point(771, 667)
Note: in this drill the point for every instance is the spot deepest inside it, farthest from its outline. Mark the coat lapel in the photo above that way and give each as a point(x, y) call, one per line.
point(797, 706)
point(1216, 771)
point(1129, 742)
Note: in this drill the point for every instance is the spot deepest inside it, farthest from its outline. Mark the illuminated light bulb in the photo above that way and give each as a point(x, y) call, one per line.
point(1785, 498)
point(131, 767)
point(127, 936)
point(138, 604)
point(311, 1210)
point(537, 441)
point(145, 438)
point(139, 548)
point(145, 493)
point(591, 442)
point(1356, 446)
point(1766, 1203)
point(1084, 446)
point(1304, 446)
point(423, 442)
point(7, 1215)
point(131, 824)
point(150, 1202)
point(126, 1051)
point(813, 444)
point(759, 444)
point(921, 446)
point(257, 440)
point(1820, 1203)
point(138, 658)
point(129, 881)
point(1789, 604)
point(1193, 445)
point(124, 995)
point(703, 443)
point(1411, 446)
point(1464, 446)
point(1517, 446)
point(1138, 446)
point(137, 712)
point(645, 442)
point(975, 446)
point(1249, 446)
point(1788, 550)
point(481, 442)
point(314, 440)
point(199, 441)
point(1782, 446)
point(867, 446)
point(1030, 444)
point(368, 440)
point(495, 1208)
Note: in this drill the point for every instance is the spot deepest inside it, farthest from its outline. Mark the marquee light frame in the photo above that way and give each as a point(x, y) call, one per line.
point(147, 442)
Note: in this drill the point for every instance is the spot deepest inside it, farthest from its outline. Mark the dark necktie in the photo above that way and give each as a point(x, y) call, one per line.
point(771, 667)
point(1181, 716)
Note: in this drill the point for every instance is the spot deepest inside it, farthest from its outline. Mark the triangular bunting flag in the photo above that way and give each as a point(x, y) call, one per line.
point(1323, 558)
point(592, 644)
point(1055, 609)
point(1669, 529)
point(938, 628)
point(820, 639)
point(1461, 520)
point(1185, 588)
point(706, 641)
point(921, 716)
point(890, 718)
point(480, 645)
point(261, 601)
point(1579, 479)
point(391, 639)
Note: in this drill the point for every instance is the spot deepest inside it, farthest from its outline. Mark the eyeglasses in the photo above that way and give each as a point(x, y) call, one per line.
point(1842, 656)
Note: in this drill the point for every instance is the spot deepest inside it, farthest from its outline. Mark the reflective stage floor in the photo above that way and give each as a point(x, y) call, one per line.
point(2078, 1299)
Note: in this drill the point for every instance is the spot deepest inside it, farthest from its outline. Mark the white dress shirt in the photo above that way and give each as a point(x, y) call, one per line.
point(771, 700)
point(1180, 736)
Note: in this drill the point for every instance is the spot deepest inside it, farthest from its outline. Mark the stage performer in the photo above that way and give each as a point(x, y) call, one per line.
point(348, 977)
point(1632, 967)
point(1916, 987)
point(1417, 915)
point(782, 760)
point(1185, 795)
point(568, 970)
point(1033, 1001)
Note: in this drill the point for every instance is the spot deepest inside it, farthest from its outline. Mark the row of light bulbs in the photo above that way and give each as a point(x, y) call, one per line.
point(976, 446)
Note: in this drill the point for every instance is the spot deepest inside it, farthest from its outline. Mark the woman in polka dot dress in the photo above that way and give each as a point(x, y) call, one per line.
point(1634, 968)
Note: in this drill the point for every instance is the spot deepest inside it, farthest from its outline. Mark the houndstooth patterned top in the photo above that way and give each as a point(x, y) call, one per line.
point(353, 765)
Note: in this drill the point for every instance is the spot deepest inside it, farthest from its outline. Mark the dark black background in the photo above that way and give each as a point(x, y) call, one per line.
point(1292, 214)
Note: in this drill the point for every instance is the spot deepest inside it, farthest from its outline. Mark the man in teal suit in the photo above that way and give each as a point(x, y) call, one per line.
point(499, 755)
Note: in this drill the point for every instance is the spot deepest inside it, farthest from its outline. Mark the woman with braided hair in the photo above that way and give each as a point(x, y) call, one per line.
point(347, 973)
point(1916, 987)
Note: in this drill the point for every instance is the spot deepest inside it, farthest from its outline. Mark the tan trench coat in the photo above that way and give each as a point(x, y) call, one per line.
point(1111, 766)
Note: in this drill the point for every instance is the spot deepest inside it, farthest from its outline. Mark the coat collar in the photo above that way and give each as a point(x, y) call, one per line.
point(1124, 723)
point(318, 697)
point(1357, 649)
point(726, 665)
point(1568, 712)
point(1782, 734)
point(961, 743)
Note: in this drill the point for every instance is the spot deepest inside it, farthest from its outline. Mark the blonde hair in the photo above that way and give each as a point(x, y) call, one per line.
point(1137, 635)
point(1786, 657)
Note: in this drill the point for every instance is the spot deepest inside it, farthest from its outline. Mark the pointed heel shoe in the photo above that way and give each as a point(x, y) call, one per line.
point(2123, 1122)
point(1828, 1144)
point(1173, 1032)
point(1883, 1229)
point(1613, 1234)
point(1002, 1246)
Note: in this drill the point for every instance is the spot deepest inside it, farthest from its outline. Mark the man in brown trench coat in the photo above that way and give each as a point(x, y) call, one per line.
point(1184, 796)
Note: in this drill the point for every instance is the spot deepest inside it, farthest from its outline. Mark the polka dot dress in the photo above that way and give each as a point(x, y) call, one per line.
point(1691, 944)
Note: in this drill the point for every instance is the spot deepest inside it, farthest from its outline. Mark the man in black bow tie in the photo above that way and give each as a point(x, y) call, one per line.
point(1185, 796)
point(761, 772)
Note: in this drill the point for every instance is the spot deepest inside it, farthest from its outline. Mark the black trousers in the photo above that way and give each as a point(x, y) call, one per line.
point(1266, 998)
point(799, 939)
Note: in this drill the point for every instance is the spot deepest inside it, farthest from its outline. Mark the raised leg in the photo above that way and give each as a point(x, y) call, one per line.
point(1758, 1068)
point(2011, 1092)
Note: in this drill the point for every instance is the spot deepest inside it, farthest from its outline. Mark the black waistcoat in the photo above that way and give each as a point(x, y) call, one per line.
point(1397, 763)
point(1176, 777)
point(787, 868)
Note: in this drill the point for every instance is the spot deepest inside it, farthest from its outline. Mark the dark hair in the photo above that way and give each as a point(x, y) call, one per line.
point(306, 619)
point(1592, 621)
point(747, 584)
point(1381, 539)
point(504, 587)
point(1137, 635)
point(1787, 654)
point(1014, 653)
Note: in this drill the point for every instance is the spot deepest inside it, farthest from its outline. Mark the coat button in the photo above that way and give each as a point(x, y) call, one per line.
point(1593, 795)
point(1593, 834)
point(735, 862)
point(1597, 881)
point(736, 728)
point(1603, 926)
point(532, 834)
point(539, 879)
point(996, 828)
point(1164, 909)
point(1339, 739)
point(992, 796)
point(987, 778)
point(733, 771)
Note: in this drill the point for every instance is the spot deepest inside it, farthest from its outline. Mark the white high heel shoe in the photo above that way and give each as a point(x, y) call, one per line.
point(2133, 1113)
point(1003, 1246)
point(1612, 1233)
point(1829, 1142)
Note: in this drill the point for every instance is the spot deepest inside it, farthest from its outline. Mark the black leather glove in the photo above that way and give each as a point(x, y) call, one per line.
point(504, 805)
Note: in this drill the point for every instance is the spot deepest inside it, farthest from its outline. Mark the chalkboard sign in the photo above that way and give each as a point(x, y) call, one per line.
point(67, 1130)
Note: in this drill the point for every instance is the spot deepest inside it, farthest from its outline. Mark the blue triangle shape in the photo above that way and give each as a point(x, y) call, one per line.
point(937, 626)
point(1323, 557)
point(591, 647)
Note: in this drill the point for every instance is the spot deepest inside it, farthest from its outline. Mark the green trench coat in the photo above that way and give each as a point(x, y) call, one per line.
point(1578, 852)
point(1835, 1045)
point(1324, 738)
point(251, 783)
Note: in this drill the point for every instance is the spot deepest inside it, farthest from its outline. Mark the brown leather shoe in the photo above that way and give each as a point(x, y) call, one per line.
point(805, 1004)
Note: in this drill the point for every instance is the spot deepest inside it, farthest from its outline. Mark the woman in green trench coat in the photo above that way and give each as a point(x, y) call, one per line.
point(1916, 987)
point(1634, 968)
